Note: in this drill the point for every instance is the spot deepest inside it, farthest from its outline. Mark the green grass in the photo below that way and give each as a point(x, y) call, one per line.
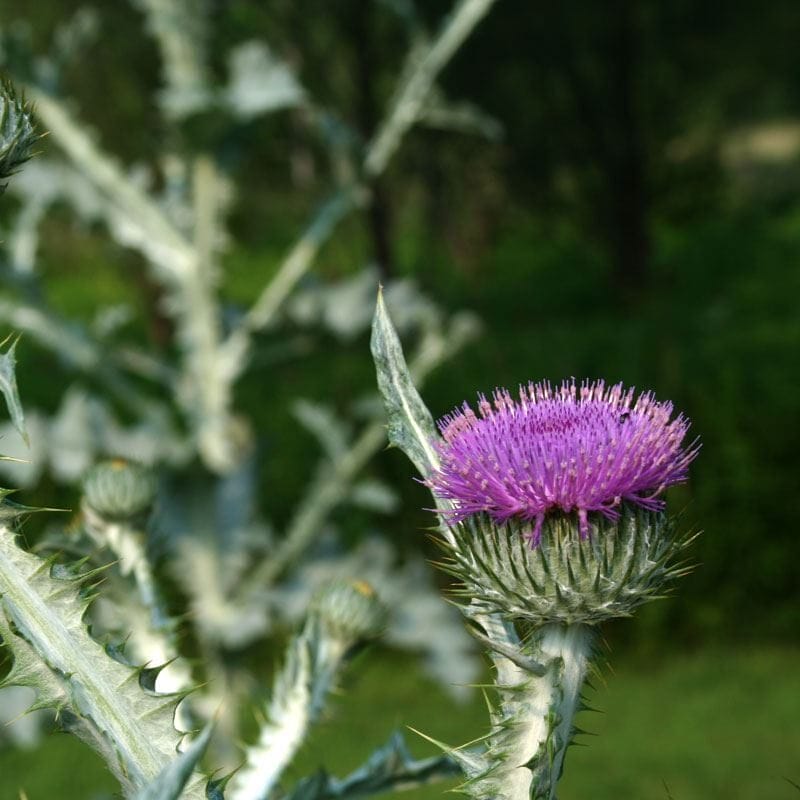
point(717, 724)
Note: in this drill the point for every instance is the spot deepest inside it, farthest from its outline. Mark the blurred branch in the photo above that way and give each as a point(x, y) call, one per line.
point(295, 265)
point(85, 355)
point(407, 108)
point(409, 102)
point(207, 375)
point(160, 241)
point(185, 268)
point(181, 30)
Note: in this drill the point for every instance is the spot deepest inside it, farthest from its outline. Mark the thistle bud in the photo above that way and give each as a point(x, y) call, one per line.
point(119, 490)
point(17, 132)
point(349, 610)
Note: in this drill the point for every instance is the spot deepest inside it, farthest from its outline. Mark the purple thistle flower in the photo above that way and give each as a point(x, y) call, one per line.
point(571, 448)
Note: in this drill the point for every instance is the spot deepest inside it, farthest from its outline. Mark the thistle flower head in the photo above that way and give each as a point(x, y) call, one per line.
point(581, 449)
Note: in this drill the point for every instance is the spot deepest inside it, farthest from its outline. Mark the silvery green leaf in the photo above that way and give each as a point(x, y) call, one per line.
point(84, 429)
point(44, 180)
point(322, 422)
point(344, 307)
point(347, 304)
point(374, 496)
point(8, 386)
point(461, 117)
point(74, 434)
point(411, 426)
point(25, 465)
point(171, 780)
point(259, 81)
point(101, 699)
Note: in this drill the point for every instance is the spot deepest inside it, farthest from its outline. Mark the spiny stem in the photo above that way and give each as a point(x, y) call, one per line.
point(538, 724)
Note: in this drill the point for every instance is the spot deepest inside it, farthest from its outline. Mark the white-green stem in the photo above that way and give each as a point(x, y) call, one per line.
point(537, 715)
point(160, 240)
point(312, 661)
point(184, 267)
point(206, 388)
point(411, 99)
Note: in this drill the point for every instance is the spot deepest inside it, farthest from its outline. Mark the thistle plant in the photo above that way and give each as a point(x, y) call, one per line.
point(551, 521)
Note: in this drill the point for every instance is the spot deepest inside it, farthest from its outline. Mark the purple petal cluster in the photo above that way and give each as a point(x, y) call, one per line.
point(570, 448)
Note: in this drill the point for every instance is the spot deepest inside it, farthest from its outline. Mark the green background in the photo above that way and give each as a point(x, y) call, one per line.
point(613, 231)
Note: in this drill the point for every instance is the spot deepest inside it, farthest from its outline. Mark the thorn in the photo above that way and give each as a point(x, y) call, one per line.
point(464, 759)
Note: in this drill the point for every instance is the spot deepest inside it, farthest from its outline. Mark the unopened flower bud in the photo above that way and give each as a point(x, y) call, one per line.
point(119, 490)
point(17, 133)
point(349, 610)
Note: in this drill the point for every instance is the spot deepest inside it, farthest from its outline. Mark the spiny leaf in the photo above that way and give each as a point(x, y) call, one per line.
point(470, 762)
point(171, 780)
point(102, 700)
point(9, 510)
point(411, 426)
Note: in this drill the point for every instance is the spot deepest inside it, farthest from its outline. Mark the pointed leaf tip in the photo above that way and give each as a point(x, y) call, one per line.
point(410, 424)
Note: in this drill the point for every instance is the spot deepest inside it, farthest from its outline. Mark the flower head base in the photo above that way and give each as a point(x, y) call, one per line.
point(569, 578)
point(586, 448)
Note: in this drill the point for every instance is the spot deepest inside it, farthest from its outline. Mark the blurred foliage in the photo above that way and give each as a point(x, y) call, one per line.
point(609, 233)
